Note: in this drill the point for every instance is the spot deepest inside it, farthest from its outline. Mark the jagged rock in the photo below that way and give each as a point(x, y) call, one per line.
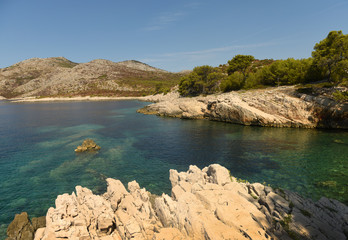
point(274, 107)
point(20, 228)
point(87, 145)
point(205, 204)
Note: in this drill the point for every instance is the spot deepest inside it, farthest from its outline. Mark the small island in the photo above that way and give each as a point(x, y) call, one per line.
point(88, 145)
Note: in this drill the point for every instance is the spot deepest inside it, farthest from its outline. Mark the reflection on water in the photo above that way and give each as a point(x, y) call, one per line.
point(37, 158)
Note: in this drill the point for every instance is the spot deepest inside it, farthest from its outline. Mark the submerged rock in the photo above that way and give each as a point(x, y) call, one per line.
point(204, 204)
point(87, 145)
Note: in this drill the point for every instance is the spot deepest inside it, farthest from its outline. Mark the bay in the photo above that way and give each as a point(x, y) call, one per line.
point(38, 162)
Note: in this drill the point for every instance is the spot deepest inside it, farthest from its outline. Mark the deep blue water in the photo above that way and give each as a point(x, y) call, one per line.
point(37, 159)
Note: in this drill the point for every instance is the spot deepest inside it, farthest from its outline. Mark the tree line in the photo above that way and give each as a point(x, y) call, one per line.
point(329, 62)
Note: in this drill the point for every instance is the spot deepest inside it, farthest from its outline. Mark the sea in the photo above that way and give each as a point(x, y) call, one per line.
point(38, 162)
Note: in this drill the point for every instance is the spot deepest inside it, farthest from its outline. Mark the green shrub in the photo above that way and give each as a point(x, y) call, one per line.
point(340, 96)
point(232, 82)
point(202, 80)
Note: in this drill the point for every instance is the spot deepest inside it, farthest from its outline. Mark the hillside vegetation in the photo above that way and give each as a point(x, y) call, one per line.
point(328, 65)
point(59, 76)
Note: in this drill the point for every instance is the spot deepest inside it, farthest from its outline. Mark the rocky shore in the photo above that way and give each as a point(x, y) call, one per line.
point(273, 107)
point(204, 204)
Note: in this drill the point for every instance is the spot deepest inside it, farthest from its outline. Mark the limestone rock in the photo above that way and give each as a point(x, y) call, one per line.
point(273, 107)
point(87, 145)
point(205, 204)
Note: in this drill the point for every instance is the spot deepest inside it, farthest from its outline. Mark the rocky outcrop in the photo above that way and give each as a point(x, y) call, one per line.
point(204, 204)
point(21, 228)
point(274, 107)
point(88, 145)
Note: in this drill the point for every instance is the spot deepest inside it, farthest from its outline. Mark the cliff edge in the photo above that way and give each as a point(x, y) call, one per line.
point(204, 204)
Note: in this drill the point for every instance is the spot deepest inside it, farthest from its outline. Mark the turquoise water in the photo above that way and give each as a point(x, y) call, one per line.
point(37, 159)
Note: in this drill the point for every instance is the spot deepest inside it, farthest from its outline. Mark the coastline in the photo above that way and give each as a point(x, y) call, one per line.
point(271, 107)
point(70, 99)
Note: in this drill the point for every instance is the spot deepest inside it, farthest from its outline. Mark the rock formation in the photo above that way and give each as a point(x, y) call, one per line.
point(274, 107)
point(204, 204)
point(88, 145)
point(21, 228)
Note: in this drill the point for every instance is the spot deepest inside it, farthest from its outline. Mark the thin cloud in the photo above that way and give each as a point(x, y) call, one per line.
point(205, 56)
point(216, 50)
point(330, 8)
point(163, 20)
point(153, 28)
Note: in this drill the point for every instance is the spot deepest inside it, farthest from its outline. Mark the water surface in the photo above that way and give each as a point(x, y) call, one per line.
point(37, 159)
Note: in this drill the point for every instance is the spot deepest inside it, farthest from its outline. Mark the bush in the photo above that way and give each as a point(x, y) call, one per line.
point(232, 82)
point(340, 96)
point(253, 80)
point(202, 80)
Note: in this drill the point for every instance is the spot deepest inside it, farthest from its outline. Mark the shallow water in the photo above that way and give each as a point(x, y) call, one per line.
point(37, 159)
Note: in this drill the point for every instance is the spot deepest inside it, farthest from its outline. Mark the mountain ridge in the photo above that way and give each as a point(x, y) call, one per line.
point(58, 76)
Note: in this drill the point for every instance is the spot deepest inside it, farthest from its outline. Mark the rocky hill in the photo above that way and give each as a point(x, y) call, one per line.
point(48, 77)
point(204, 204)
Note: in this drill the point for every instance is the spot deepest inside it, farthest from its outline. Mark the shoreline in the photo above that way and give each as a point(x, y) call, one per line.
point(272, 107)
point(70, 99)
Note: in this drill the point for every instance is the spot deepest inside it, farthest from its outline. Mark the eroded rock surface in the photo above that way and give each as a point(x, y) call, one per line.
point(204, 204)
point(274, 107)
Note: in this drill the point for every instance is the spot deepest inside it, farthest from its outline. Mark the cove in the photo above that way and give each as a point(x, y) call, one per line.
point(38, 162)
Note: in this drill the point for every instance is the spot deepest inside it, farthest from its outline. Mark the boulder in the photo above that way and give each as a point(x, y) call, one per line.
point(20, 228)
point(87, 145)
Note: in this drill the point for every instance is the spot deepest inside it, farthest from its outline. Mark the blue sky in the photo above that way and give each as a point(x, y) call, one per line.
point(172, 35)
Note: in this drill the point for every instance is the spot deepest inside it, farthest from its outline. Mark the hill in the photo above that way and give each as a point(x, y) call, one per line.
point(58, 76)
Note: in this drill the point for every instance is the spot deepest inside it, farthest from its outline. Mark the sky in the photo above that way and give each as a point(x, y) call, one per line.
point(171, 35)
